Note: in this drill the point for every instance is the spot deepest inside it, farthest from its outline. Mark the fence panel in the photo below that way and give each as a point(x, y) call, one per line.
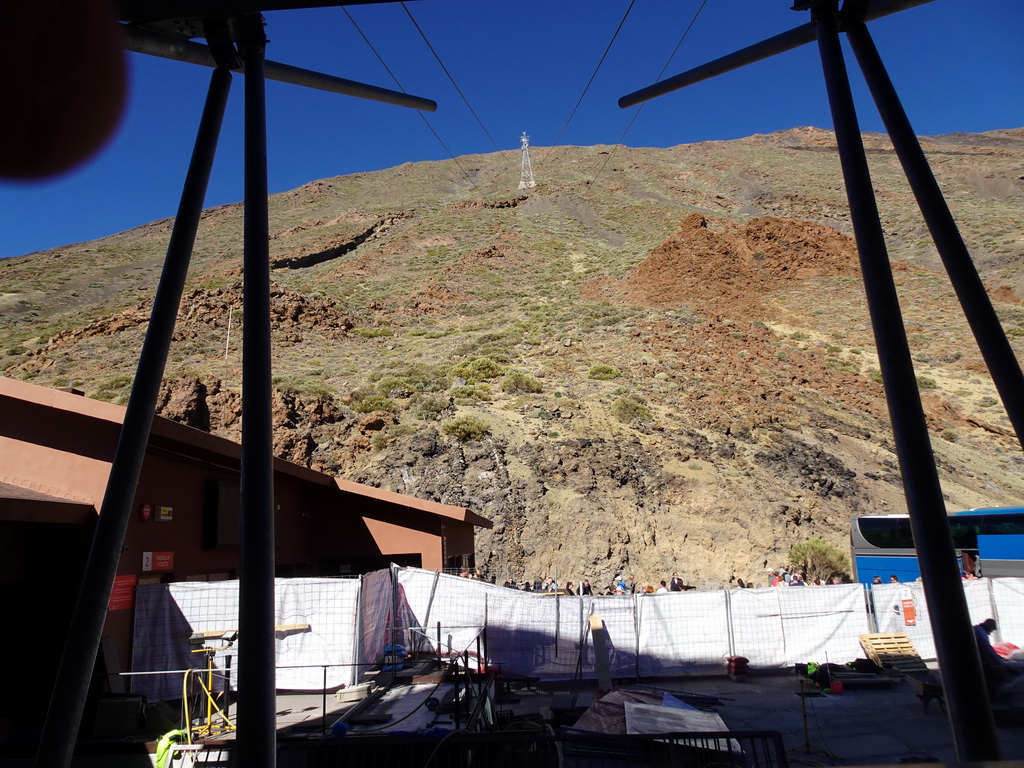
point(777, 627)
point(682, 632)
point(620, 621)
point(1008, 597)
point(890, 616)
point(756, 619)
point(458, 604)
point(166, 615)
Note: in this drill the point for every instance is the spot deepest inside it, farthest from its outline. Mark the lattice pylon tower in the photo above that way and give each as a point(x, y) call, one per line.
point(526, 172)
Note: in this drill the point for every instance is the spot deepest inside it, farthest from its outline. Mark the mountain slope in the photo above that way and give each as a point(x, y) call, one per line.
point(669, 348)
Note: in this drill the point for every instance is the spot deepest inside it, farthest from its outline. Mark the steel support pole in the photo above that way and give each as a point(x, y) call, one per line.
point(981, 315)
point(785, 41)
point(67, 701)
point(257, 723)
point(970, 715)
point(170, 47)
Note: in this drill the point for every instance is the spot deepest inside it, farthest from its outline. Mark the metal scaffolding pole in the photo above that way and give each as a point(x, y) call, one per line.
point(970, 715)
point(67, 701)
point(981, 315)
point(257, 724)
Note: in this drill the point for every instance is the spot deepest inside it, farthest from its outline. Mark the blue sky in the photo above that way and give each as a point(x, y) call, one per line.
point(958, 65)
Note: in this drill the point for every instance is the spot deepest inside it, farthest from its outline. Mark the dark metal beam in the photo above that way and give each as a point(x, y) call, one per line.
point(257, 722)
point(970, 715)
point(67, 701)
point(787, 41)
point(158, 10)
point(171, 47)
point(981, 315)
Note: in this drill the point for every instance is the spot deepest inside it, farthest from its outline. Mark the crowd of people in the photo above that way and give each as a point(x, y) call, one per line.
point(780, 577)
point(628, 585)
point(620, 585)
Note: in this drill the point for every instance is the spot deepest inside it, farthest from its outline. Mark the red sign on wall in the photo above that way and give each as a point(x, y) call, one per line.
point(157, 561)
point(122, 594)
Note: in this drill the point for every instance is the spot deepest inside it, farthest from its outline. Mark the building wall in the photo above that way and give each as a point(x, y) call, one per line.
point(63, 444)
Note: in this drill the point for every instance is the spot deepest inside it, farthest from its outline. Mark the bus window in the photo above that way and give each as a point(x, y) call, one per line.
point(1002, 524)
point(965, 531)
point(887, 532)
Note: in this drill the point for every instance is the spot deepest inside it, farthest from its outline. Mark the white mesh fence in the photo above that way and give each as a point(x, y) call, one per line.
point(1008, 598)
point(1002, 599)
point(777, 627)
point(682, 632)
point(167, 615)
point(528, 634)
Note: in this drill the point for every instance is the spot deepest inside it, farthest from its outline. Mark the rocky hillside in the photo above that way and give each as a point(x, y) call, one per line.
point(656, 360)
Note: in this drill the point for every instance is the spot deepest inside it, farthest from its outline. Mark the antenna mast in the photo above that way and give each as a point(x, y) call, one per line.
point(526, 174)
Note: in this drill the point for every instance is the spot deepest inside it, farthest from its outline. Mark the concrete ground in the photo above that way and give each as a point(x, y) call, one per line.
point(886, 726)
point(856, 727)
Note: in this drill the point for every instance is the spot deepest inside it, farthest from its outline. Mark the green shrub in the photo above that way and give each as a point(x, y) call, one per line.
point(388, 384)
point(478, 369)
point(113, 390)
point(373, 333)
point(430, 407)
point(924, 382)
point(387, 437)
point(630, 409)
point(517, 381)
point(817, 559)
point(412, 377)
point(841, 365)
point(365, 402)
point(464, 428)
point(603, 372)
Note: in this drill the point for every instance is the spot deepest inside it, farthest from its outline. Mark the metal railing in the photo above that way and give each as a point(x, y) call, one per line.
point(744, 749)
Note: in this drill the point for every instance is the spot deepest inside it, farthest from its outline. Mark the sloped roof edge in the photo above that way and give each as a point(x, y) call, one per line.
point(164, 432)
point(431, 507)
point(28, 504)
point(167, 433)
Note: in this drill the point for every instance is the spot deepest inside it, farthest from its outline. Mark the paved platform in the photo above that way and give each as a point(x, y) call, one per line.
point(865, 726)
point(868, 726)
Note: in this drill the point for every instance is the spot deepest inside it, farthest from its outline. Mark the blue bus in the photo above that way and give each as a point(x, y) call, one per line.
point(989, 542)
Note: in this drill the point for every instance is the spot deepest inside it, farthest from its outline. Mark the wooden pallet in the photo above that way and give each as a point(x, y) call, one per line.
point(892, 651)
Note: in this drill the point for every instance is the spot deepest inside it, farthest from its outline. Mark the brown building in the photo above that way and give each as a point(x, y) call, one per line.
point(56, 449)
